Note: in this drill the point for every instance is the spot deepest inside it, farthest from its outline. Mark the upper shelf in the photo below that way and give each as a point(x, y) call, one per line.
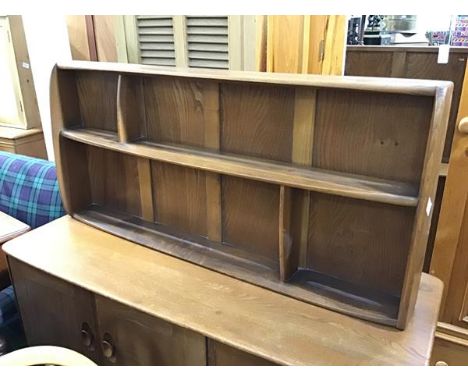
point(313, 179)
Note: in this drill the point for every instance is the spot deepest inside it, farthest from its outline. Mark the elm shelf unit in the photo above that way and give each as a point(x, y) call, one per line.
point(316, 187)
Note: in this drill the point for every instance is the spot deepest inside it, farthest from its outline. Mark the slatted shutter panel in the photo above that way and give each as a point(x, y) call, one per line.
point(156, 40)
point(207, 42)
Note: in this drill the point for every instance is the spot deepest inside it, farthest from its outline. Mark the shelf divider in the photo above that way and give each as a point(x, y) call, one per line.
point(305, 102)
point(146, 189)
point(213, 180)
point(285, 238)
point(312, 179)
point(131, 121)
point(131, 125)
point(303, 142)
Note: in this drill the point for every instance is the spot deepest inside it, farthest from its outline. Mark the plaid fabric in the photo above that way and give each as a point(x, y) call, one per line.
point(8, 311)
point(29, 192)
point(29, 189)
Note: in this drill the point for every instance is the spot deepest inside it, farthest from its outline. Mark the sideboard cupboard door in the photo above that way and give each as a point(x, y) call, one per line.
point(53, 311)
point(220, 354)
point(132, 338)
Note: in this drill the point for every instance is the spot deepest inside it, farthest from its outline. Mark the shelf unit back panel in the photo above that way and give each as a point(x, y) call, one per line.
point(308, 186)
point(258, 120)
point(249, 217)
point(383, 136)
point(96, 93)
point(113, 180)
point(179, 197)
point(342, 240)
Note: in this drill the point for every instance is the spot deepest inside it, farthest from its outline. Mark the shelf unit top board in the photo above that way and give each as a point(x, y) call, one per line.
point(315, 187)
point(395, 85)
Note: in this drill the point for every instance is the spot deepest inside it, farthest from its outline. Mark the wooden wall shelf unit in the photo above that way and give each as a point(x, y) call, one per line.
point(312, 186)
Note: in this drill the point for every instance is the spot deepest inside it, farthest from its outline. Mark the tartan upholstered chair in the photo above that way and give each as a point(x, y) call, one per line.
point(29, 192)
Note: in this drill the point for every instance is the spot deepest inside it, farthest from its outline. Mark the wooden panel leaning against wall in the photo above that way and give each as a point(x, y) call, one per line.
point(450, 260)
point(20, 123)
point(97, 38)
point(80, 45)
point(314, 44)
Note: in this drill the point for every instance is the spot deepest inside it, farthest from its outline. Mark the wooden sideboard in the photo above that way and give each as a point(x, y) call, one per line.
point(120, 303)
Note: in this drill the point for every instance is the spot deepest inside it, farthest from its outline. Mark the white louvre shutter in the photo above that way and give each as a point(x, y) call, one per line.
point(207, 42)
point(156, 40)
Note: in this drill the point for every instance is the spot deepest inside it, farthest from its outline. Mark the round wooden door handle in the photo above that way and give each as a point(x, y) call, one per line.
point(463, 125)
point(108, 349)
point(87, 337)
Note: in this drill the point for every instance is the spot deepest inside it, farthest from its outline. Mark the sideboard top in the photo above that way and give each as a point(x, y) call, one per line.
point(248, 317)
point(393, 85)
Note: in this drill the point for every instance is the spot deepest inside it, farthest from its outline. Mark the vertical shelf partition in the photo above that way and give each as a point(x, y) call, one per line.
point(314, 187)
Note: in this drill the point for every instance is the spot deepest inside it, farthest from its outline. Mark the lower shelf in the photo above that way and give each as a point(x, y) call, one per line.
point(305, 285)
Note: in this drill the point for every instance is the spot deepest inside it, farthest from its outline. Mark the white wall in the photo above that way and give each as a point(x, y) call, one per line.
point(433, 22)
point(47, 39)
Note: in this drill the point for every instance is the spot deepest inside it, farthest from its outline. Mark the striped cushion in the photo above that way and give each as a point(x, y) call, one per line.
point(29, 189)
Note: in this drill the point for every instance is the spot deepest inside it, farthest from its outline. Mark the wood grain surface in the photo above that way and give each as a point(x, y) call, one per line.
point(448, 245)
point(300, 184)
point(257, 120)
point(57, 319)
point(403, 86)
point(313, 179)
point(142, 340)
point(97, 96)
point(131, 118)
point(250, 217)
point(388, 150)
point(113, 180)
point(414, 63)
point(342, 243)
point(249, 318)
point(177, 113)
point(180, 198)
